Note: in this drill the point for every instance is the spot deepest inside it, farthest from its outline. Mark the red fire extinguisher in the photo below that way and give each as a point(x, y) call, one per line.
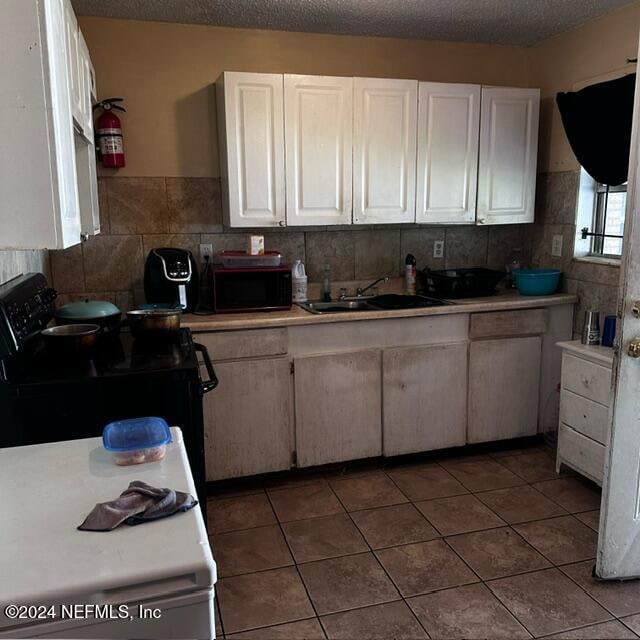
point(109, 141)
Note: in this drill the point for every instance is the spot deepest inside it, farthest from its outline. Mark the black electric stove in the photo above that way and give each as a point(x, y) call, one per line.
point(47, 398)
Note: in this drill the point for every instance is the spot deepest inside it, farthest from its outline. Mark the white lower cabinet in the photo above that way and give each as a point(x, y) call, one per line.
point(311, 395)
point(337, 407)
point(425, 398)
point(504, 382)
point(585, 398)
point(248, 418)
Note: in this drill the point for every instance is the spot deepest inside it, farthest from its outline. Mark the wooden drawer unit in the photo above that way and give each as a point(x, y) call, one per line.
point(583, 432)
point(587, 379)
point(499, 324)
point(233, 345)
point(585, 416)
point(580, 453)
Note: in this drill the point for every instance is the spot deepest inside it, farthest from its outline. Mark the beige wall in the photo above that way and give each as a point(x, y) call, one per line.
point(165, 71)
point(596, 48)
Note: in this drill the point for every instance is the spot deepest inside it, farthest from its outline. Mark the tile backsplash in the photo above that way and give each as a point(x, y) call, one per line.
point(138, 214)
point(595, 284)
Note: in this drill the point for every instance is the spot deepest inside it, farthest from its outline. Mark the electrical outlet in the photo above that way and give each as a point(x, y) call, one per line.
point(206, 250)
point(556, 246)
point(438, 249)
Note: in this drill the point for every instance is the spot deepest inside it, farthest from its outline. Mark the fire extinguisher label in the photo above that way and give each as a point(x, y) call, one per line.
point(111, 144)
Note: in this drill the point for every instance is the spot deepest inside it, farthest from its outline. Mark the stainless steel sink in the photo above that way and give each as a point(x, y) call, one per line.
point(387, 302)
point(336, 307)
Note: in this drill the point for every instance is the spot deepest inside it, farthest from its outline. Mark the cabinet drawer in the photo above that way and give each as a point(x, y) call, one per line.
point(587, 379)
point(232, 345)
point(581, 453)
point(508, 323)
point(585, 416)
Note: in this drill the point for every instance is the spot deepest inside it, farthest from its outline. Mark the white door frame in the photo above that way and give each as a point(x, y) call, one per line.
point(619, 536)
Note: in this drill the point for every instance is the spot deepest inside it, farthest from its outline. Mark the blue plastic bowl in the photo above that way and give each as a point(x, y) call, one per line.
point(537, 282)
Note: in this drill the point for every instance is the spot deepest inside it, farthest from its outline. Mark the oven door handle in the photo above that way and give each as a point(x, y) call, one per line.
point(212, 382)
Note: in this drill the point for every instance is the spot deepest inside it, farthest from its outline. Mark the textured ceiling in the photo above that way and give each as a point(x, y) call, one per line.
point(520, 22)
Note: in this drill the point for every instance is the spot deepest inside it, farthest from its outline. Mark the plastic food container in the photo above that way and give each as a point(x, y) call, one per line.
point(137, 440)
point(242, 260)
point(537, 282)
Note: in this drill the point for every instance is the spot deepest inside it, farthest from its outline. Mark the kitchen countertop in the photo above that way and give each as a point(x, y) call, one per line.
point(503, 301)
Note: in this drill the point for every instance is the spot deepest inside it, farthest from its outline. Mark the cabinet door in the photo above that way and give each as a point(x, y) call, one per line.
point(448, 133)
point(338, 407)
point(86, 152)
point(61, 25)
point(504, 379)
point(86, 83)
point(318, 137)
point(74, 69)
point(384, 150)
point(425, 398)
point(248, 419)
point(508, 155)
point(251, 141)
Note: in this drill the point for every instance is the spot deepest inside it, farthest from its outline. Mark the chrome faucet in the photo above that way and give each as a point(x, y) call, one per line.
point(360, 292)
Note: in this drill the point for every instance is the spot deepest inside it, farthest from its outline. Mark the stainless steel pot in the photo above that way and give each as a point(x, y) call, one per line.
point(153, 323)
point(72, 340)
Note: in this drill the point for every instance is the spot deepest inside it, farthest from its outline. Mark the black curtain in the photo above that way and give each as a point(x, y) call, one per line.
point(597, 120)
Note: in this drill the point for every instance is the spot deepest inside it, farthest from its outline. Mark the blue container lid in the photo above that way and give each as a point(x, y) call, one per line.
point(134, 434)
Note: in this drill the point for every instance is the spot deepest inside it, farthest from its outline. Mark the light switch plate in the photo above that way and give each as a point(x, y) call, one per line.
point(556, 246)
point(438, 249)
point(206, 250)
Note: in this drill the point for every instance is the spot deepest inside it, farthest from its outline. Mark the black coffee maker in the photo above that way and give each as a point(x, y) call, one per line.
point(171, 278)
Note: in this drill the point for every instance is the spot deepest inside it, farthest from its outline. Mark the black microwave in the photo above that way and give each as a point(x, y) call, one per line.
point(251, 289)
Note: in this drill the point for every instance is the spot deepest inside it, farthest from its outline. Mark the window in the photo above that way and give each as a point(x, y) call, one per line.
point(608, 220)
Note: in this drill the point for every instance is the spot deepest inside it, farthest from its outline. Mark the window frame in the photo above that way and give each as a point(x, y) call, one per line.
point(599, 220)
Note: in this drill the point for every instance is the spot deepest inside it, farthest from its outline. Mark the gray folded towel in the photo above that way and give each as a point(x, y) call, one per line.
point(140, 503)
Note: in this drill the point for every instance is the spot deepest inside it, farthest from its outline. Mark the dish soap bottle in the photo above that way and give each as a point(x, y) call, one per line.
point(299, 282)
point(410, 275)
point(326, 283)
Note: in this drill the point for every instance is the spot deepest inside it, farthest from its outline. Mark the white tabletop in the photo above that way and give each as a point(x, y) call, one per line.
point(47, 490)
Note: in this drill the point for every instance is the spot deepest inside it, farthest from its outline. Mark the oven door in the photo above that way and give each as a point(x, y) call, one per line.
point(238, 290)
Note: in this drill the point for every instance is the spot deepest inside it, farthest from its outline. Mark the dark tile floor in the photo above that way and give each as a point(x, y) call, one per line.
point(482, 546)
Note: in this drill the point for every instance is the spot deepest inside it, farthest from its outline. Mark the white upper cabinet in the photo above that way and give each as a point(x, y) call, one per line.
point(508, 155)
point(384, 150)
point(38, 178)
point(251, 139)
point(448, 130)
point(303, 150)
point(318, 125)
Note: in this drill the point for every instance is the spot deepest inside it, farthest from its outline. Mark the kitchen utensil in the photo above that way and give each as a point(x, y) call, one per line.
point(106, 315)
point(459, 283)
point(72, 340)
point(591, 327)
point(537, 282)
point(153, 323)
point(609, 331)
point(171, 278)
